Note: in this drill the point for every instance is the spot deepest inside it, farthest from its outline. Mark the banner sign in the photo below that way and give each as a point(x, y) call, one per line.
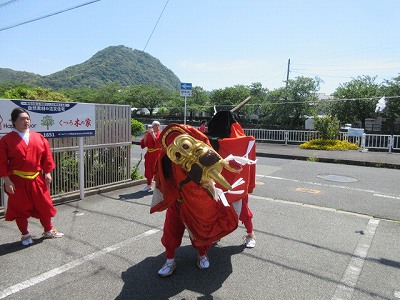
point(52, 119)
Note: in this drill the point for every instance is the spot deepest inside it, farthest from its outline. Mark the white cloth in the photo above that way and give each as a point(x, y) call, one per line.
point(380, 106)
point(24, 135)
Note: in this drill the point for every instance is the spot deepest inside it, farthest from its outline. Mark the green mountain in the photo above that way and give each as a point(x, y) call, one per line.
point(8, 75)
point(118, 64)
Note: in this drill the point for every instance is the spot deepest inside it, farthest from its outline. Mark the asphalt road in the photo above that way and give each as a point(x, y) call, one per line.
point(324, 231)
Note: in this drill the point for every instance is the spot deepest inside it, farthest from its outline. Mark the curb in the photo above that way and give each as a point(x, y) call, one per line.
point(331, 160)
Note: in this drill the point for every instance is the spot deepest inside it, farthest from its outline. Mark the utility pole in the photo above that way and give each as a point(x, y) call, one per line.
point(288, 70)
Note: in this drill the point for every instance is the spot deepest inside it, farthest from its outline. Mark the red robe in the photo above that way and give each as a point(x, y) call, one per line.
point(237, 145)
point(152, 154)
point(206, 220)
point(31, 197)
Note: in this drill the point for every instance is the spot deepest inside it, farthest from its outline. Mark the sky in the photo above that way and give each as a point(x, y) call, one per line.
point(211, 43)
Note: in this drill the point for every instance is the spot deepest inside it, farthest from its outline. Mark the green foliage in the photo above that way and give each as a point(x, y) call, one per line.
point(34, 93)
point(287, 107)
point(353, 110)
point(67, 169)
point(391, 88)
point(147, 96)
point(327, 126)
point(137, 127)
point(117, 64)
point(321, 144)
point(135, 173)
point(312, 158)
point(227, 98)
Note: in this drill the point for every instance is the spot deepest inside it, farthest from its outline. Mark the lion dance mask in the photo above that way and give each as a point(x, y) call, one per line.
point(199, 160)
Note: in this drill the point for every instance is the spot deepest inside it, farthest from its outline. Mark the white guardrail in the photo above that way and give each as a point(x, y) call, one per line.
point(366, 141)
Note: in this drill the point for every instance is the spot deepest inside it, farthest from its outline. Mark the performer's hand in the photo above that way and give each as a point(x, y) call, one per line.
point(9, 186)
point(47, 179)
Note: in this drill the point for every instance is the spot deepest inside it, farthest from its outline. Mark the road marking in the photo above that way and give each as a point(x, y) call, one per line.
point(374, 193)
point(57, 271)
point(335, 210)
point(310, 191)
point(386, 196)
point(397, 294)
point(345, 289)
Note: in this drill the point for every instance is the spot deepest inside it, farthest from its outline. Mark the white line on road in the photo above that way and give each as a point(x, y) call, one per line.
point(375, 193)
point(397, 294)
point(345, 289)
point(44, 276)
point(386, 196)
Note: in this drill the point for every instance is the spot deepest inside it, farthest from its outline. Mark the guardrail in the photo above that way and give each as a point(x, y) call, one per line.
point(366, 141)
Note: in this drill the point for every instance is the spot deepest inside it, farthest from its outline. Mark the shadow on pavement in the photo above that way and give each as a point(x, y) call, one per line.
point(136, 195)
point(17, 246)
point(141, 281)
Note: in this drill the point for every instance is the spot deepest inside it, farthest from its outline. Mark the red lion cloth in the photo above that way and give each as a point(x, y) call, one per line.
point(206, 219)
point(229, 139)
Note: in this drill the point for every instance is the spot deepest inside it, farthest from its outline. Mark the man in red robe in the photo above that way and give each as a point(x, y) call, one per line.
point(24, 155)
point(182, 190)
point(150, 140)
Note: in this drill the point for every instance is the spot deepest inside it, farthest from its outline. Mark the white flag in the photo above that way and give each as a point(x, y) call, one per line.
point(380, 106)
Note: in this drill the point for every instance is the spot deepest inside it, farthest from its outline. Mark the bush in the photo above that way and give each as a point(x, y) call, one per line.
point(135, 173)
point(328, 127)
point(321, 144)
point(137, 128)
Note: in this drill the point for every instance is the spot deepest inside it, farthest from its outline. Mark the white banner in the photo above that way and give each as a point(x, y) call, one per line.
point(51, 119)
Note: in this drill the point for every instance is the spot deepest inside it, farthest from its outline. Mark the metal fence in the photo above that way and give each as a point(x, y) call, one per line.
point(370, 141)
point(106, 157)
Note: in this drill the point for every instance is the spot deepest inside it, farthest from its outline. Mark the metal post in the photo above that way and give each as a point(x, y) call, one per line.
point(363, 143)
point(391, 143)
point(4, 196)
point(81, 169)
point(184, 116)
point(286, 137)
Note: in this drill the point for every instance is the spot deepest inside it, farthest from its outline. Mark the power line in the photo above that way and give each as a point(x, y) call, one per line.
point(46, 16)
point(162, 12)
point(7, 3)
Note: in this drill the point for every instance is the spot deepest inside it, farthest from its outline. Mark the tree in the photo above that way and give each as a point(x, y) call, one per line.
point(147, 96)
point(287, 107)
point(199, 102)
point(110, 93)
point(360, 94)
point(391, 89)
point(34, 93)
point(228, 98)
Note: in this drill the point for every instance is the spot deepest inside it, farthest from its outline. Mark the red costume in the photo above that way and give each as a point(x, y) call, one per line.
point(152, 154)
point(189, 204)
point(238, 144)
point(21, 163)
point(228, 138)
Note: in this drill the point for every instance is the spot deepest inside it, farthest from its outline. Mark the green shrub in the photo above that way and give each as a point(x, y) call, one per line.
point(135, 174)
point(137, 128)
point(327, 126)
point(321, 144)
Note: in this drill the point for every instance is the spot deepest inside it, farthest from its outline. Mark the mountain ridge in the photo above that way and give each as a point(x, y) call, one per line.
point(118, 64)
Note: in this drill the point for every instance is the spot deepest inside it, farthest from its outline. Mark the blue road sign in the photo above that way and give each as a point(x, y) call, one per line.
point(186, 86)
point(186, 89)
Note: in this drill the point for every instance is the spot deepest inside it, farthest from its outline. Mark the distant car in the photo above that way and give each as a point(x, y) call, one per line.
point(346, 127)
